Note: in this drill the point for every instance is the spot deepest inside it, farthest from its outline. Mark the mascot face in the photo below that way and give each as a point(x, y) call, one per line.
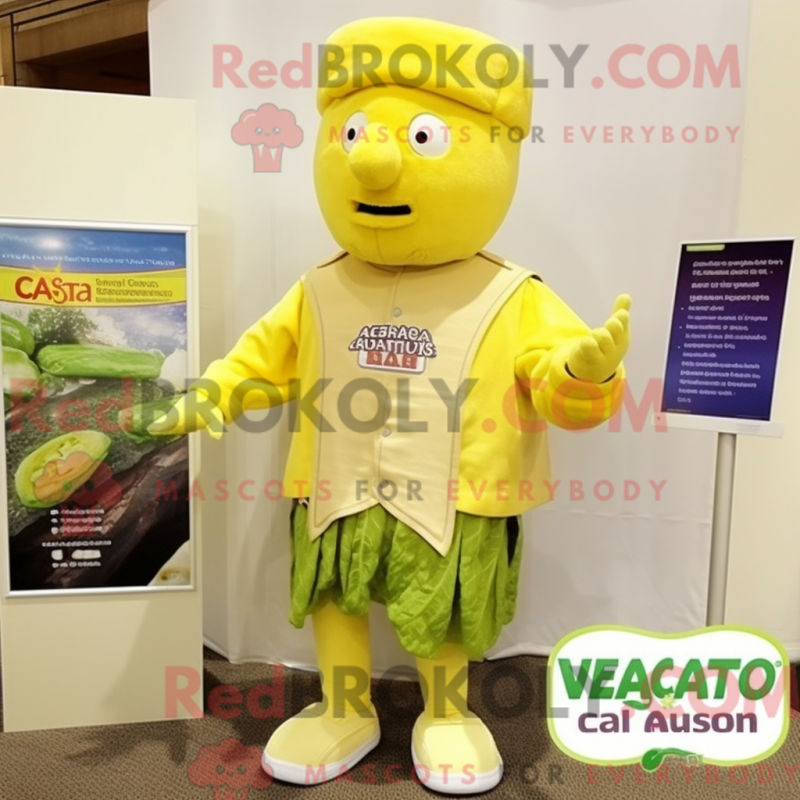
point(408, 177)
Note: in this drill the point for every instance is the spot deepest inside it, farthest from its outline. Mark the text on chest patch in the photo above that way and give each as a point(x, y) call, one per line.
point(396, 348)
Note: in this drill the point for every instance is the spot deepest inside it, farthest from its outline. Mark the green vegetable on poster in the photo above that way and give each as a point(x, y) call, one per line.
point(126, 450)
point(52, 472)
point(16, 367)
point(98, 361)
point(17, 335)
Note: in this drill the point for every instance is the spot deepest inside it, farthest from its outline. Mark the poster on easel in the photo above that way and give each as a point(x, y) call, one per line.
point(94, 348)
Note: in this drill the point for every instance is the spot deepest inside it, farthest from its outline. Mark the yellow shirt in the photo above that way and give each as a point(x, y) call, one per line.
point(520, 385)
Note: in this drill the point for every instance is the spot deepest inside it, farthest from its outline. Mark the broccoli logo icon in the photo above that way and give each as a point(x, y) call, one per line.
point(231, 769)
point(267, 129)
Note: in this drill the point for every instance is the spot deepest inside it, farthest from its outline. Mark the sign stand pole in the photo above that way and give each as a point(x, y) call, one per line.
point(705, 343)
point(721, 528)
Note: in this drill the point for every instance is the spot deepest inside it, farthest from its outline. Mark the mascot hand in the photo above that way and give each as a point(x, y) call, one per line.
point(193, 412)
point(597, 357)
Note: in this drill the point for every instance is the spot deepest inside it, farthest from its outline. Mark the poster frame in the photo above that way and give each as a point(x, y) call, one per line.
point(188, 232)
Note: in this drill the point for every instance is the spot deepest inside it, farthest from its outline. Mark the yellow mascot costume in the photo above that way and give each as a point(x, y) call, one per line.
point(429, 370)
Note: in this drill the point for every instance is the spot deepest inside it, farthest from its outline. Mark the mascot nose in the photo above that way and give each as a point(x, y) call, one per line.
point(375, 159)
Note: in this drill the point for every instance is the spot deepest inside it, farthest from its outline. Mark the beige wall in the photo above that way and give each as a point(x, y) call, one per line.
point(87, 660)
point(764, 583)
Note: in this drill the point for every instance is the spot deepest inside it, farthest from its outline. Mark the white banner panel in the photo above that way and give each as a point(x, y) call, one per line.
point(88, 657)
point(637, 148)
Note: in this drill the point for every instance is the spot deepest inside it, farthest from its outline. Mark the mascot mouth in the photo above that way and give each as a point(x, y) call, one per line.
point(383, 211)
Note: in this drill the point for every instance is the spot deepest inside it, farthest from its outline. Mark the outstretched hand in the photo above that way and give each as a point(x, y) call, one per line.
point(193, 412)
point(597, 356)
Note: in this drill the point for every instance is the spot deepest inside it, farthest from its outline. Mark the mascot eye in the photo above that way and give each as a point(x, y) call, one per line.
point(241, 769)
point(353, 130)
point(429, 136)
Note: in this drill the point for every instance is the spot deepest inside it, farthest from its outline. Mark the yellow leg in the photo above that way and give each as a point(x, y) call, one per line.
point(326, 738)
point(453, 751)
point(344, 660)
point(444, 682)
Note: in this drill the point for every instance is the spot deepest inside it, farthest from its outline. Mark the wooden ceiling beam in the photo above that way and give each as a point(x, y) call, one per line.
point(79, 29)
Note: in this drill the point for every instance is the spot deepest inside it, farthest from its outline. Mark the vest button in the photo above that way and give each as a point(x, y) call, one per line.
point(386, 432)
point(397, 311)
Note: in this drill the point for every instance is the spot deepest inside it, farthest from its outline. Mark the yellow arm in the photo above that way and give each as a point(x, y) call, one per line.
point(575, 374)
point(259, 372)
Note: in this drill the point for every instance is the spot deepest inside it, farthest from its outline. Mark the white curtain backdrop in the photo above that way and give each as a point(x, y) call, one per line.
point(595, 219)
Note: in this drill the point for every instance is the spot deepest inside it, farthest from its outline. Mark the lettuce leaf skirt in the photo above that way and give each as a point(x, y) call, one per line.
point(465, 597)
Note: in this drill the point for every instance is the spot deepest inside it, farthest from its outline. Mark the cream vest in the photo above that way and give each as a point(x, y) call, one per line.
point(396, 345)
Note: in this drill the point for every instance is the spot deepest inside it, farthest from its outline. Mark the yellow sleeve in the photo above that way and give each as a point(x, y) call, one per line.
point(261, 369)
point(549, 329)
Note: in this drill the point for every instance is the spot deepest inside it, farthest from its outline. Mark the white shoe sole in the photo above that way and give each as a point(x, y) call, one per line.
point(309, 775)
point(457, 782)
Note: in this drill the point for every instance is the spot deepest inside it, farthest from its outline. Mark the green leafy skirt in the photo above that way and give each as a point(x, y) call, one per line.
point(464, 597)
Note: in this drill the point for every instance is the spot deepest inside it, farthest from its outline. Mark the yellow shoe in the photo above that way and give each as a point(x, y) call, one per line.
point(455, 755)
point(313, 748)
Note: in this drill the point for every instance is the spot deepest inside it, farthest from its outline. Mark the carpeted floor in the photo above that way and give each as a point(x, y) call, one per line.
point(152, 761)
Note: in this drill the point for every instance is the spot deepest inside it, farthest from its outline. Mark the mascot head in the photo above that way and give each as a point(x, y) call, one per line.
point(417, 155)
